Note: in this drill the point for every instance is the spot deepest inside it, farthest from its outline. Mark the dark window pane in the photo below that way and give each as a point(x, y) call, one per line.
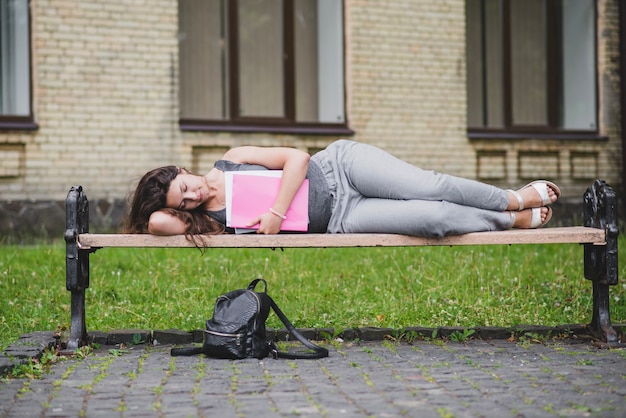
point(531, 65)
point(484, 64)
point(307, 63)
point(474, 54)
point(261, 62)
point(529, 77)
point(14, 58)
point(203, 63)
point(261, 67)
point(578, 101)
point(493, 64)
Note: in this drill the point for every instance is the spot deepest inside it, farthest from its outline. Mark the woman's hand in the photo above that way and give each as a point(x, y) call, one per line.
point(268, 223)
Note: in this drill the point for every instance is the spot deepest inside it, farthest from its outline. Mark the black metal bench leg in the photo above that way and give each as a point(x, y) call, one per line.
point(601, 321)
point(600, 211)
point(76, 263)
point(78, 329)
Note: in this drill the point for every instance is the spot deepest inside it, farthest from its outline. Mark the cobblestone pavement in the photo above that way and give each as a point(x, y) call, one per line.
point(379, 379)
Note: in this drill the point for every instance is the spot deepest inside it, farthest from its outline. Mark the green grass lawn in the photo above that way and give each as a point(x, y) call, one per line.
point(334, 288)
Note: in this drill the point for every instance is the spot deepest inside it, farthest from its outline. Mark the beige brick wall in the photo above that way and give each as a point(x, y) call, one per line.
point(407, 79)
point(105, 98)
point(609, 154)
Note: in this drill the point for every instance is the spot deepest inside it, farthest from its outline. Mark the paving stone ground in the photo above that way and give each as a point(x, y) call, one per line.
point(437, 378)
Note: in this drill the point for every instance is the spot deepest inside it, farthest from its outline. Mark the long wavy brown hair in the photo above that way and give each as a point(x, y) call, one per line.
point(150, 196)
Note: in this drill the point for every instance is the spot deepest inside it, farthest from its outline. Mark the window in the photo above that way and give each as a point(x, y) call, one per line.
point(273, 65)
point(15, 91)
point(531, 66)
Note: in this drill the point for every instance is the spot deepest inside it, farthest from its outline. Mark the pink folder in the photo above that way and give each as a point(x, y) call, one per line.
point(254, 194)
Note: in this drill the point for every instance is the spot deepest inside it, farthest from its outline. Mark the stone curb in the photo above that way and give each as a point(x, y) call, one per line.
point(178, 337)
point(31, 346)
point(27, 347)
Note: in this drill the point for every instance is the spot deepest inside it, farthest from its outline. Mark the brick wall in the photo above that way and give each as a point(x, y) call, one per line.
point(103, 96)
point(407, 80)
point(105, 99)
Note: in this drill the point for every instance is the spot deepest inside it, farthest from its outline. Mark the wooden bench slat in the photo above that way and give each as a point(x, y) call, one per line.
point(561, 235)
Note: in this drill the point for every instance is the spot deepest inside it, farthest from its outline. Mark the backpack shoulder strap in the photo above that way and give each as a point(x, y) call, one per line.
point(318, 352)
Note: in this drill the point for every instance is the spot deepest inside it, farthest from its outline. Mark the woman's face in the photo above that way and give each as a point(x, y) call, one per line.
point(187, 192)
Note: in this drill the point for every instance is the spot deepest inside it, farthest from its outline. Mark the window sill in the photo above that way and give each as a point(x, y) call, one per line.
point(566, 136)
point(18, 126)
point(298, 130)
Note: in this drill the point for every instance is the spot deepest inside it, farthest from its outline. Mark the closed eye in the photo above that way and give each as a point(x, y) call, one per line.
point(183, 189)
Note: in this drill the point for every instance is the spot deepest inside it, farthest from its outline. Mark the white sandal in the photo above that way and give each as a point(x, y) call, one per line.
point(535, 218)
point(541, 186)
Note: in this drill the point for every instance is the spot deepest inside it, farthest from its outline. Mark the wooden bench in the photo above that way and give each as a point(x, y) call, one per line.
point(598, 235)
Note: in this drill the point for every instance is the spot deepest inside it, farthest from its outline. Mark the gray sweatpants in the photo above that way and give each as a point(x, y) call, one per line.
point(378, 193)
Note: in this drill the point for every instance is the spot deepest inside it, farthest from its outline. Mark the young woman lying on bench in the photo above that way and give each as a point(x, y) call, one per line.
point(353, 188)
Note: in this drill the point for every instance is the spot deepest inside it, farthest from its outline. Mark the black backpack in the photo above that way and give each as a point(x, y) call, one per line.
point(237, 329)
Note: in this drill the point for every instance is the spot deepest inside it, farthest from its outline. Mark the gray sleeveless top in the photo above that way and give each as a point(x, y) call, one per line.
point(320, 199)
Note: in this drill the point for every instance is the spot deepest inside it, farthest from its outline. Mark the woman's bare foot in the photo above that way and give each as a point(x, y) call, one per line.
point(531, 218)
point(533, 195)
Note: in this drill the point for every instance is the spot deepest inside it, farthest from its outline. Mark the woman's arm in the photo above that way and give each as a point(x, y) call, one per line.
point(162, 223)
point(294, 164)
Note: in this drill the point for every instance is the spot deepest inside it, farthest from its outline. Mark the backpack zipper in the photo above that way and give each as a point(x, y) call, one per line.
point(223, 334)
